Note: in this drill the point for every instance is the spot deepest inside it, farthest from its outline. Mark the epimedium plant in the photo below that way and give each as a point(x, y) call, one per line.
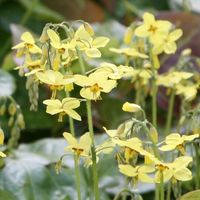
point(143, 154)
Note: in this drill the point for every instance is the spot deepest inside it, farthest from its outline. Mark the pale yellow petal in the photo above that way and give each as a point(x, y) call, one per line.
point(100, 42)
point(28, 38)
point(183, 174)
point(128, 170)
point(70, 139)
point(73, 114)
point(93, 53)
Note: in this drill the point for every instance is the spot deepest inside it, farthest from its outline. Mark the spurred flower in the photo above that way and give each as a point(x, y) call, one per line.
point(138, 173)
point(28, 44)
point(94, 84)
point(81, 148)
point(66, 106)
point(176, 141)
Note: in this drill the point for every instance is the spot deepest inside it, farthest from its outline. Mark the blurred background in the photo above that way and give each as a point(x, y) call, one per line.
point(110, 18)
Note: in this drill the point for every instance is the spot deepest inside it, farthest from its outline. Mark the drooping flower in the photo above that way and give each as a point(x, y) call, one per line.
point(171, 79)
point(85, 42)
point(176, 170)
point(130, 52)
point(28, 44)
point(138, 173)
point(93, 85)
point(176, 141)
point(81, 148)
point(112, 71)
point(131, 107)
point(54, 79)
point(66, 106)
point(152, 28)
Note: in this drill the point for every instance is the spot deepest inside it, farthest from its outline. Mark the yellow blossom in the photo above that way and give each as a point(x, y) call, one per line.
point(189, 92)
point(93, 85)
point(138, 173)
point(81, 148)
point(176, 141)
point(173, 78)
point(28, 44)
point(66, 106)
point(152, 28)
point(1, 142)
point(167, 42)
point(131, 107)
point(54, 79)
point(176, 170)
point(130, 52)
point(112, 71)
point(85, 42)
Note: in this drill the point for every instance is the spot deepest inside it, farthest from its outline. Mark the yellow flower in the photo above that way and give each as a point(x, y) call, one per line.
point(67, 106)
point(131, 107)
point(54, 79)
point(189, 92)
point(138, 173)
point(176, 141)
point(176, 170)
point(167, 42)
point(28, 44)
point(112, 71)
point(56, 42)
point(84, 42)
point(173, 78)
point(152, 28)
point(31, 67)
point(130, 52)
point(1, 142)
point(81, 148)
point(93, 85)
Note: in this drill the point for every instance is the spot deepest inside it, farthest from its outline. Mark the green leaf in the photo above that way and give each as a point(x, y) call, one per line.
point(5, 195)
point(194, 195)
point(42, 11)
point(7, 84)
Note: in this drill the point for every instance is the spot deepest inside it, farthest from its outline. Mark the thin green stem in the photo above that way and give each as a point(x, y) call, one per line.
point(154, 92)
point(169, 113)
point(197, 177)
point(76, 159)
point(81, 61)
point(157, 192)
point(94, 164)
point(169, 191)
point(90, 127)
point(162, 192)
point(76, 162)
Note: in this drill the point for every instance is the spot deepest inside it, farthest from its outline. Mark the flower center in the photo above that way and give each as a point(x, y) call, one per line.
point(95, 88)
point(152, 29)
point(161, 167)
point(78, 151)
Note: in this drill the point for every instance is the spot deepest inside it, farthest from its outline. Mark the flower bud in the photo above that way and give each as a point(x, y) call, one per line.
point(131, 107)
point(88, 28)
point(2, 109)
point(12, 109)
point(20, 121)
point(1, 136)
point(128, 35)
point(186, 52)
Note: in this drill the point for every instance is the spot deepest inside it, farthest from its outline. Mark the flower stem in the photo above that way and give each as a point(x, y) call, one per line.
point(94, 164)
point(169, 191)
point(157, 191)
point(77, 172)
point(169, 113)
point(90, 127)
point(162, 192)
point(154, 91)
point(197, 178)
